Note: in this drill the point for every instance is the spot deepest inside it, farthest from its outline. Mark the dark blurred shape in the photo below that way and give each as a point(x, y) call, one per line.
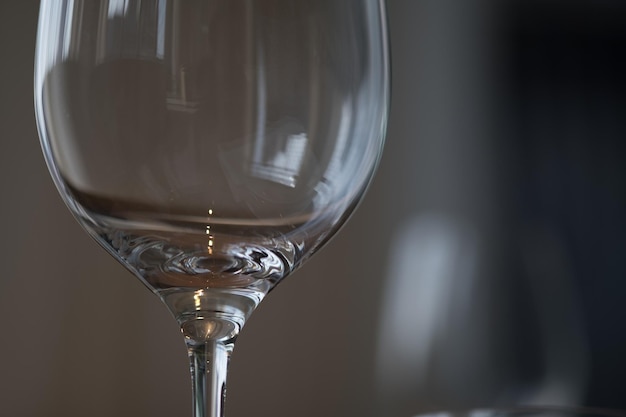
point(505, 274)
point(567, 159)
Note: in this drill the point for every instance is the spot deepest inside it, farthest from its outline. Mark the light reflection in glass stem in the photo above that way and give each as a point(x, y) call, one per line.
point(209, 235)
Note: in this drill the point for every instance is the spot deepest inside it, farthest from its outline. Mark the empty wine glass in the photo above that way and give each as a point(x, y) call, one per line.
point(211, 146)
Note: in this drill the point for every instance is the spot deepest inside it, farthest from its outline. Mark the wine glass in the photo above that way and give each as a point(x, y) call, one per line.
point(211, 146)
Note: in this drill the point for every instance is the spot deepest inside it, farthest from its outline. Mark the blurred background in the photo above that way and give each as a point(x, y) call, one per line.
point(484, 268)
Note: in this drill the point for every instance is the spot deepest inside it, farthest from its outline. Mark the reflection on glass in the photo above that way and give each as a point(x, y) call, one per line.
point(285, 165)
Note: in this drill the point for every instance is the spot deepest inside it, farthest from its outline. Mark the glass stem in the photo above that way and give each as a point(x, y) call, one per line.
point(209, 363)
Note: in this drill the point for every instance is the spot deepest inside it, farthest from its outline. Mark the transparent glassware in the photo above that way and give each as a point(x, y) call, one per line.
point(211, 146)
